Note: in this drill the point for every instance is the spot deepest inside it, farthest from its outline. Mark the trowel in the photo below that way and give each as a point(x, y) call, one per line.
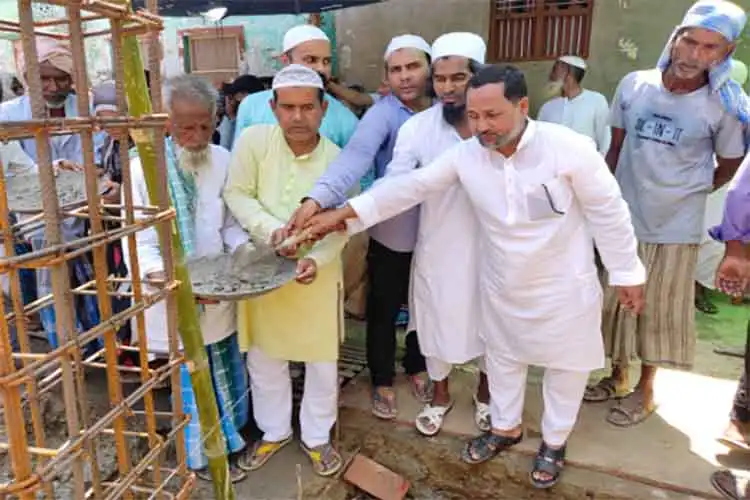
point(247, 255)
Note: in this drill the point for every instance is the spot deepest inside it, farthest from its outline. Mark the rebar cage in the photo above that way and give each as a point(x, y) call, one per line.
point(69, 467)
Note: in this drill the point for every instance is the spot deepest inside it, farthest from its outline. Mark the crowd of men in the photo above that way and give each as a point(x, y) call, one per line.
point(555, 242)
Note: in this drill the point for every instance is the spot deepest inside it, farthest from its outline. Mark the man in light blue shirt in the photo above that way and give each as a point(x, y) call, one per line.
point(407, 60)
point(309, 46)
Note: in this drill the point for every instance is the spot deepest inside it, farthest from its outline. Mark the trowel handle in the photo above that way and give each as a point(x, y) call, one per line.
point(294, 239)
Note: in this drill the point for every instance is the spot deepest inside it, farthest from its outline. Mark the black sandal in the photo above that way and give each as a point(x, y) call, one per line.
point(548, 461)
point(486, 447)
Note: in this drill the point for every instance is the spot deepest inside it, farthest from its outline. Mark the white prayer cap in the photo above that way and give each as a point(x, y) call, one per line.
point(301, 34)
point(574, 61)
point(407, 42)
point(460, 44)
point(296, 75)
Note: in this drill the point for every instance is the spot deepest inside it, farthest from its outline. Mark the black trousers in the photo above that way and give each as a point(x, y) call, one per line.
point(388, 274)
point(741, 406)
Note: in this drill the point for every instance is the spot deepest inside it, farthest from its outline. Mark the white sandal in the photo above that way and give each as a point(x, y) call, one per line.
point(482, 415)
point(430, 419)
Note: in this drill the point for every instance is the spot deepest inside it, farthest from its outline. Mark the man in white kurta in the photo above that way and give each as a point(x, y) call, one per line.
point(541, 192)
point(196, 173)
point(444, 295)
point(579, 109)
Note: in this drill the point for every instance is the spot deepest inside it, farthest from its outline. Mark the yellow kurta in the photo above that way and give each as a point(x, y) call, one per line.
point(265, 185)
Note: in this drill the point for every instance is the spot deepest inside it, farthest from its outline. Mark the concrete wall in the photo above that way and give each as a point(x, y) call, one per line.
point(627, 35)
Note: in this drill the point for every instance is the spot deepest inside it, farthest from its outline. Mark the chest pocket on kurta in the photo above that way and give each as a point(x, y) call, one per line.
point(547, 200)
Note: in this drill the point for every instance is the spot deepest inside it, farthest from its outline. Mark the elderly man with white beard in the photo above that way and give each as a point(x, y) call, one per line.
point(196, 173)
point(542, 195)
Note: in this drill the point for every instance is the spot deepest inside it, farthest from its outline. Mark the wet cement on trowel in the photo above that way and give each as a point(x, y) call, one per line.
point(221, 276)
point(25, 190)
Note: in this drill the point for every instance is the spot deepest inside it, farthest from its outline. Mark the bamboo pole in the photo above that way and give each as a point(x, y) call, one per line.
point(151, 152)
point(61, 288)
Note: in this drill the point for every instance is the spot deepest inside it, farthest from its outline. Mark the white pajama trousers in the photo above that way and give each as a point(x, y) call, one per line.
point(562, 392)
point(438, 370)
point(271, 389)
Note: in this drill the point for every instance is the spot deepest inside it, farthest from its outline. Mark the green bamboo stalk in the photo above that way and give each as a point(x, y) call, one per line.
point(188, 322)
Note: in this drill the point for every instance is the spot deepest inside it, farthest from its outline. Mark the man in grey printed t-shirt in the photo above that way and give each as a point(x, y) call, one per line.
point(670, 129)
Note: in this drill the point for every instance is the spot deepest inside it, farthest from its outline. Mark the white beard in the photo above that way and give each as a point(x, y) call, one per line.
point(192, 161)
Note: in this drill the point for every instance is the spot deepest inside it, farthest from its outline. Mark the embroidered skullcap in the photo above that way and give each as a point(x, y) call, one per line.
point(296, 75)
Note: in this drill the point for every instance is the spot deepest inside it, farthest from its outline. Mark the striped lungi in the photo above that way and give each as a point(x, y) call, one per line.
point(229, 376)
point(664, 334)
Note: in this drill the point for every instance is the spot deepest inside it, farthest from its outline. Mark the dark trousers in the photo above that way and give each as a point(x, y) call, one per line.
point(741, 406)
point(388, 274)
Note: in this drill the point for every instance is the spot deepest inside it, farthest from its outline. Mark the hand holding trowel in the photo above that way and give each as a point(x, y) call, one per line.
point(282, 244)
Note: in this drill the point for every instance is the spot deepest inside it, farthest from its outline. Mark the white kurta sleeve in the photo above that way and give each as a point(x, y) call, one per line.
point(399, 193)
point(601, 124)
point(607, 214)
point(405, 158)
point(232, 233)
point(147, 241)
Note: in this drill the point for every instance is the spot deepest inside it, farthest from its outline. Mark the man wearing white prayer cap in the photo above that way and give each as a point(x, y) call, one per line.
point(309, 46)
point(582, 110)
point(389, 254)
point(272, 168)
point(443, 285)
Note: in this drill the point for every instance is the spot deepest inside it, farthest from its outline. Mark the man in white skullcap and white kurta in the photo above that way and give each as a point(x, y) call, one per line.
point(579, 109)
point(540, 193)
point(389, 253)
point(444, 285)
point(273, 167)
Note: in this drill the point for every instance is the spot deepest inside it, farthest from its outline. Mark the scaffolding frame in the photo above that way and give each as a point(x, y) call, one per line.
point(34, 463)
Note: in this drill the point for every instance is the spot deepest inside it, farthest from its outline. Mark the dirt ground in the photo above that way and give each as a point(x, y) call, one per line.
point(431, 465)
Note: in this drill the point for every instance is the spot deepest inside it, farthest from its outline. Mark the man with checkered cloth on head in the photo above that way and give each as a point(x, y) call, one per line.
point(677, 135)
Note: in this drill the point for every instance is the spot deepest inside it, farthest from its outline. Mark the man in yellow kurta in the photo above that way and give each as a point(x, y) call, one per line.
point(273, 167)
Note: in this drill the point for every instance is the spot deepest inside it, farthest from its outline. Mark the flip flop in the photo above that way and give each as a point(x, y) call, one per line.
point(326, 461)
point(384, 405)
point(236, 474)
point(630, 411)
point(604, 390)
point(257, 456)
point(727, 484)
point(430, 419)
point(734, 441)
